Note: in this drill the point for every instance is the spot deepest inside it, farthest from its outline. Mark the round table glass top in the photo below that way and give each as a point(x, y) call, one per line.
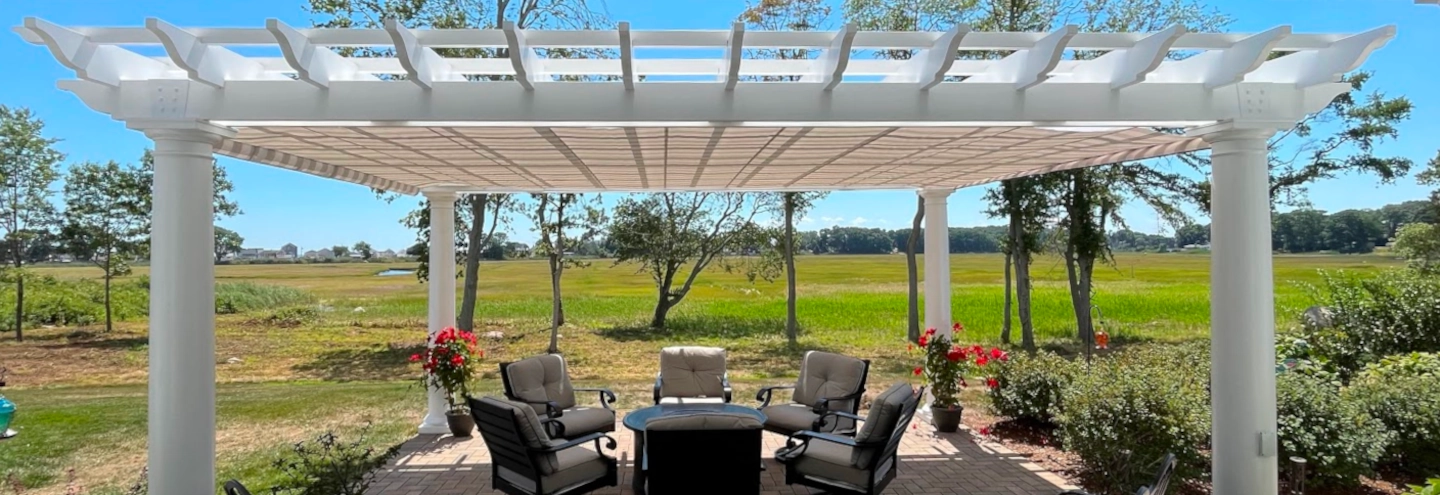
point(636, 419)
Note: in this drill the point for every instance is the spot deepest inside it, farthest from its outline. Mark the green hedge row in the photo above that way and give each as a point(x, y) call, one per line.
point(70, 302)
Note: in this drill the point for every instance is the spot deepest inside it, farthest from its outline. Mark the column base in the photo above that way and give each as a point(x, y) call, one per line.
point(433, 425)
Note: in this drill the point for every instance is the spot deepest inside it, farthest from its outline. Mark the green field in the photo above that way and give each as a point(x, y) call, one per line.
point(82, 402)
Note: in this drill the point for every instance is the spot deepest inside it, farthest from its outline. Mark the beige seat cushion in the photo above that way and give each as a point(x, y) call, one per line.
point(692, 372)
point(703, 421)
point(574, 466)
point(584, 420)
point(830, 462)
point(824, 374)
point(542, 379)
point(880, 423)
point(791, 417)
point(692, 400)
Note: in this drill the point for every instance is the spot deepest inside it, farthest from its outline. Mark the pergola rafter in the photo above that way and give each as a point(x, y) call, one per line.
point(1015, 104)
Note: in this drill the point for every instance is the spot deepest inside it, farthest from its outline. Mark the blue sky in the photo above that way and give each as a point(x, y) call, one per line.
point(282, 206)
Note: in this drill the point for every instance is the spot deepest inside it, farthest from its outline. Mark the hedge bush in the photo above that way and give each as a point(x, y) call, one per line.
point(1410, 407)
point(1394, 312)
point(1030, 386)
point(1336, 436)
point(1415, 364)
point(240, 297)
point(52, 301)
point(1128, 411)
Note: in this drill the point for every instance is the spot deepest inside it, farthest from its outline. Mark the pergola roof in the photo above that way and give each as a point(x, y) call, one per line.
point(967, 108)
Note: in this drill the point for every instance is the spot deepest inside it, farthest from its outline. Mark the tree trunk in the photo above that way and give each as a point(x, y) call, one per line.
point(19, 304)
point(108, 322)
point(912, 270)
point(470, 291)
point(556, 318)
point(1005, 324)
point(662, 309)
point(1022, 295)
point(792, 323)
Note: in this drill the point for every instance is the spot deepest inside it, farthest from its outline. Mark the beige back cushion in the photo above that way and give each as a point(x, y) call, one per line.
point(692, 372)
point(704, 421)
point(880, 423)
point(823, 374)
point(540, 379)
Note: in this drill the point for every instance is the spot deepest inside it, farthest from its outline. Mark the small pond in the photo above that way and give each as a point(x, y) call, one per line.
point(395, 272)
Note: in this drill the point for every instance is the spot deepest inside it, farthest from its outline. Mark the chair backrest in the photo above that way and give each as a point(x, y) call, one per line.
point(823, 374)
point(692, 372)
point(234, 487)
point(703, 452)
point(540, 378)
point(1162, 478)
point(889, 415)
point(510, 430)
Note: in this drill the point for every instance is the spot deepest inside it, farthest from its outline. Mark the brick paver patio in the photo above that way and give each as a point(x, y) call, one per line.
point(930, 464)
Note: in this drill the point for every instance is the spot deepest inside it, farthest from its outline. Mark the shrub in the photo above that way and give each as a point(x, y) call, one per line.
point(1336, 436)
point(1432, 487)
point(1410, 407)
point(291, 317)
point(1395, 312)
point(1415, 364)
point(1127, 411)
point(52, 301)
point(240, 297)
point(328, 466)
point(1030, 386)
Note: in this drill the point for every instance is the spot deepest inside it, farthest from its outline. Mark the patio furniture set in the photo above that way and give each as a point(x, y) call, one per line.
point(693, 439)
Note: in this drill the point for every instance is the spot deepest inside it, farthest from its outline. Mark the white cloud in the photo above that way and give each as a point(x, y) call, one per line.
point(807, 220)
point(832, 220)
point(858, 221)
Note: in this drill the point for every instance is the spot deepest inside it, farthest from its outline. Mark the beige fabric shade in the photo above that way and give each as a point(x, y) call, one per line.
point(691, 158)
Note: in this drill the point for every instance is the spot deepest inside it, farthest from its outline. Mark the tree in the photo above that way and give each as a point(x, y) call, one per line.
point(227, 242)
point(1353, 231)
point(340, 251)
point(675, 236)
point(1192, 234)
point(1397, 215)
point(912, 272)
point(791, 204)
point(27, 170)
point(1419, 243)
point(364, 250)
point(103, 224)
point(1300, 231)
point(555, 216)
point(482, 207)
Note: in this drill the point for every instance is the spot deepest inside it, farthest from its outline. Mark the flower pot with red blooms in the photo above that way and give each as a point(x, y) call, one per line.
point(946, 366)
point(449, 363)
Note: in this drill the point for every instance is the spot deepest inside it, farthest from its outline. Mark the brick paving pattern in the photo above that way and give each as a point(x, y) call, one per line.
point(930, 464)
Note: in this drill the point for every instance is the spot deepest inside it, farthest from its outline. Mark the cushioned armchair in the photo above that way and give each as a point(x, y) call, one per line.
point(828, 382)
point(864, 464)
point(709, 452)
point(691, 375)
point(525, 461)
point(544, 383)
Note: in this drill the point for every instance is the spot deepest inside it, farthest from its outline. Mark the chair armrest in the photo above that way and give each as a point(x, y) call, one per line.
point(764, 394)
point(657, 388)
point(725, 380)
point(793, 449)
point(553, 427)
point(820, 421)
point(552, 410)
point(606, 396)
point(823, 404)
point(595, 437)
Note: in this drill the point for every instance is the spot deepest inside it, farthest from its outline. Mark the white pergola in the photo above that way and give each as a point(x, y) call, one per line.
point(968, 108)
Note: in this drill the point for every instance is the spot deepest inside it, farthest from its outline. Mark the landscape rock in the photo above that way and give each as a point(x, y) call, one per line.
point(494, 335)
point(234, 360)
point(1317, 317)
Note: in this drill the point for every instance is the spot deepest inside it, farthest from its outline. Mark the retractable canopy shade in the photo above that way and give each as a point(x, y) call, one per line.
point(967, 108)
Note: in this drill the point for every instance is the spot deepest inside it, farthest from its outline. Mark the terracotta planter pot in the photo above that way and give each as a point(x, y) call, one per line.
point(461, 424)
point(946, 419)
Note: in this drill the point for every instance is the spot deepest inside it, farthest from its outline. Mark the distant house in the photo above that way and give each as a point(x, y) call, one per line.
point(386, 254)
point(250, 253)
point(311, 254)
point(290, 251)
point(325, 254)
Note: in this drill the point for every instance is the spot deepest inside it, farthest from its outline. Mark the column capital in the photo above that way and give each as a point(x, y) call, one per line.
point(935, 194)
point(1236, 131)
point(182, 130)
point(442, 199)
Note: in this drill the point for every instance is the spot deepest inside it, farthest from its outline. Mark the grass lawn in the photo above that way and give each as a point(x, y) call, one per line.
point(81, 392)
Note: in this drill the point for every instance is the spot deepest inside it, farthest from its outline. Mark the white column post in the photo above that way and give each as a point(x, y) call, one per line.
point(442, 295)
point(182, 313)
point(1242, 315)
point(937, 259)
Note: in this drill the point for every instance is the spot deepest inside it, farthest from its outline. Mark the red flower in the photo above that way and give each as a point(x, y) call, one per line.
point(924, 339)
point(985, 431)
point(977, 350)
point(930, 331)
point(955, 354)
point(919, 370)
point(992, 383)
point(414, 358)
point(1004, 356)
point(957, 327)
point(982, 360)
point(457, 360)
point(995, 352)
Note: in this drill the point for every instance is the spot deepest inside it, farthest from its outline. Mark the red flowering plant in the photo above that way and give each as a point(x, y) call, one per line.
point(449, 363)
point(947, 365)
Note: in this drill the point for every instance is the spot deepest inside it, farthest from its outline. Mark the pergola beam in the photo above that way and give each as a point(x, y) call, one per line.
point(1027, 68)
point(423, 66)
point(1327, 65)
point(522, 57)
point(929, 67)
point(314, 64)
point(1218, 68)
point(91, 61)
point(1130, 66)
point(202, 62)
point(627, 57)
point(829, 70)
point(734, 51)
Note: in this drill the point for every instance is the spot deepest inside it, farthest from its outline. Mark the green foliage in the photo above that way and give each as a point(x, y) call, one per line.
point(1415, 364)
point(1337, 437)
point(1432, 487)
point(227, 243)
point(1031, 386)
point(1394, 312)
point(52, 301)
point(364, 250)
point(240, 297)
point(291, 317)
point(27, 170)
point(1408, 405)
point(330, 466)
point(1130, 409)
point(1419, 243)
point(1354, 231)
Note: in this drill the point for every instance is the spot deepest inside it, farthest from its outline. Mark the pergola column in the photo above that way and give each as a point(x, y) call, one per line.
point(937, 259)
point(442, 295)
point(1242, 315)
point(182, 313)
